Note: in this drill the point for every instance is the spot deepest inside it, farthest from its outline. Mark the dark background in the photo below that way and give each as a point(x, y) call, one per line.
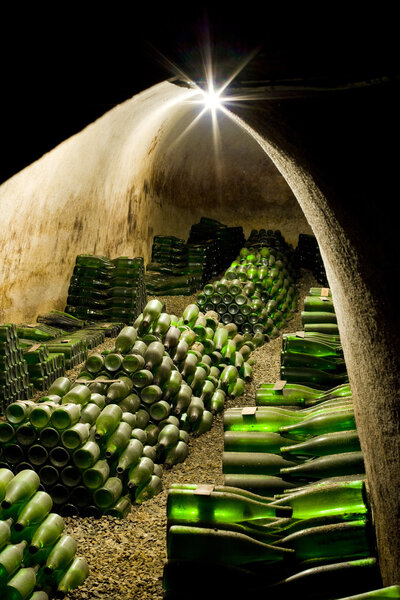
point(61, 70)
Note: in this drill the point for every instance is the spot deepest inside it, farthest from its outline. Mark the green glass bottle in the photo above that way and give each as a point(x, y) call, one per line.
point(18, 411)
point(73, 577)
point(86, 456)
point(176, 454)
point(132, 363)
point(309, 361)
point(125, 339)
point(65, 416)
point(140, 473)
point(207, 505)
point(171, 338)
point(20, 488)
point(118, 440)
point(190, 314)
point(61, 555)
point(336, 498)
point(11, 559)
point(34, 511)
point(322, 445)
point(94, 363)
point(257, 419)
point(262, 463)
point(121, 508)
point(6, 475)
point(22, 584)
point(106, 496)
point(118, 390)
point(130, 455)
point(392, 591)
point(148, 490)
point(168, 437)
point(200, 543)
point(152, 311)
point(107, 421)
point(47, 533)
point(346, 540)
point(5, 531)
point(342, 419)
point(75, 436)
point(60, 386)
point(172, 385)
point(89, 414)
point(217, 401)
point(95, 476)
point(153, 355)
point(332, 465)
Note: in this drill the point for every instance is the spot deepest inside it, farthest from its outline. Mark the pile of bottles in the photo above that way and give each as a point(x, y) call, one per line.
point(223, 242)
point(102, 289)
point(167, 273)
point(309, 257)
point(44, 366)
point(315, 543)
point(258, 291)
point(38, 561)
point(318, 313)
point(313, 358)
point(14, 374)
point(101, 442)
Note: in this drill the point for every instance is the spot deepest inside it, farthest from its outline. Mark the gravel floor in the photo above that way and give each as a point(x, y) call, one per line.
point(126, 557)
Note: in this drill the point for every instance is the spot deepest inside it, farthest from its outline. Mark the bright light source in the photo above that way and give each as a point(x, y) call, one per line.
point(212, 100)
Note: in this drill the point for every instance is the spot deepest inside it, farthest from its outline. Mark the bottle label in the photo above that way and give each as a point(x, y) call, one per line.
point(325, 292)
point(279, 385)
point(249, 410)
point(34, 347)
point(204, 489)
point(300, 334)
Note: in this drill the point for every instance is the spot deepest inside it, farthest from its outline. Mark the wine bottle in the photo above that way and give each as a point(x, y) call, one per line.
point(60, 386)
point(118, 440)
point(130, 455)
point(6, 475)
point(20, 488)
point(336, 498)
point(107, 421)
point(200, 543)
point(118, 390)
point(322, 445)
point(261, 463)
point(75, 436)
point(21, 584)
point(257, 419)
point(5, 531)
point(346, 463)
point(61, 555)
point(339, 420)
point(207, 505)
point(47, 533)
point(132, 363)
point(95, 476)
point(140, 473)
point(86, 456)
point(73, 577)
point(255, 441)
point(148, 490)
point(105, 496)
point(125, 339)
point(176, 454)
point(79, 394)
point(34, 511)
point(153, 355)
point(65, 416)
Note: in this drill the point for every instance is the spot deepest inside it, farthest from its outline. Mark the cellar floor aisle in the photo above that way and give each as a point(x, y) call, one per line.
point(126, 557)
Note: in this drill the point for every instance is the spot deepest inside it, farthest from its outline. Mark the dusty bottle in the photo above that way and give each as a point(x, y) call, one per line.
point(118, 440)
point(60, 555)
point(47, 533)
point(106, 495)
point(95, 476)
point(332, 465)
point(6, 475)
point(80, 394)
point(130, 455)
point(148, 490)
point(121, 508)
point(21, 584)
point(199, 543)
point(132, 362)
point(217, 401)
point(60, 386)
point(206, 505)
point(140, 473)
point(94, 363)
point(190, 314)
point(257, 419)
point(162, 324)
point(322, 445)
point(151, 312)
point(176, 454)
point(75, 436)
point(21, 488)
point(182, 398)
point(86, 456)
point(89, 414)
point(171, 338)
point(337, 420)
point(262, 463)
point(11, 559)
point(108, 421)
point(118, 390)
point(65, 416)
point(125, 339)
point(154, 355)
point(255, 441)
point(34, 511)
point(74, 576)
point(18, 411)
point(5, 531)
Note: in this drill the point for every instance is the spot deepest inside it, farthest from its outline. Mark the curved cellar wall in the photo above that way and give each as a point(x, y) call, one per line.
point(108, 190)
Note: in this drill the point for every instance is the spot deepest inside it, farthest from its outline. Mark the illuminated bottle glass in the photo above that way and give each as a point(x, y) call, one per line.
point(34, 511)
point(60, 555)
point(262, 463)
point(125, 339)
point(322, 445)
point(73, 577)
point(337, 420)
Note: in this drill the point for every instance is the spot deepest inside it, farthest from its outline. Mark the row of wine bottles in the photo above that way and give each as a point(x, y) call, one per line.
point(257, 292)
point(14, 376)
point(308, 257)
point(105, 289)
point(179, 268)
point(38, 561)
point(100, 443)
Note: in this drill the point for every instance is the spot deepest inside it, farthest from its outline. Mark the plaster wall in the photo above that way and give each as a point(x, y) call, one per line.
point(130, 175)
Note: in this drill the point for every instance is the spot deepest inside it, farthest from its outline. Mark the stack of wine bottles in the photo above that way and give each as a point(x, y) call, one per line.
point(318, 313)
point(101, 442)
point(127, 292)
point(223, 242)
point(309, 257)
point(43, 366)
point(313, 358)
point(316, 542)
point(167, 273)
point(102, 289)
point(88, 287)
point(37, 559)
point(14, 374)
point(257, 292)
